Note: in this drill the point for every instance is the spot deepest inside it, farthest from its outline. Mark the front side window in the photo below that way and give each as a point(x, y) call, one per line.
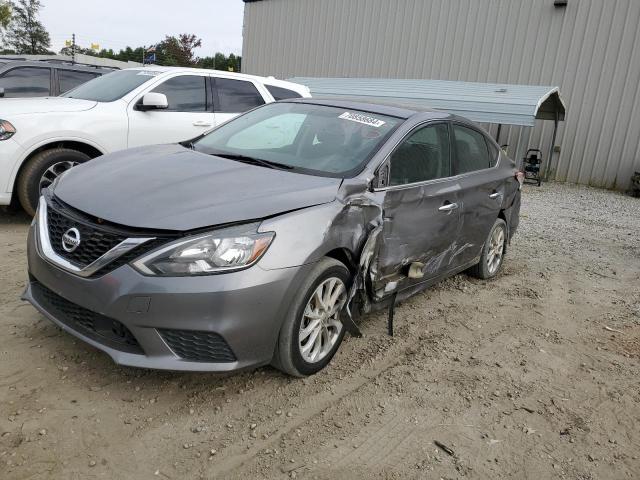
point(112, 86)
point(70, 79)
point(236, 96)
point(313, 139)
point(26, 82)
point(471, 150)
point(421, 157)
point(186, 93)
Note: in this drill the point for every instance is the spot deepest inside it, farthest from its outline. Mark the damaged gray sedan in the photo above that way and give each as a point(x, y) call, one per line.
point(259, 242)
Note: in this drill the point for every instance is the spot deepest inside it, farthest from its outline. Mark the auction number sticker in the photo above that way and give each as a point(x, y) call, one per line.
point(357, 117)
point(147, 73)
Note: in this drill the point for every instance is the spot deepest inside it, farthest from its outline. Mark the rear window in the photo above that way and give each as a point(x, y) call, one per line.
point(236, 96)
point(279, 93)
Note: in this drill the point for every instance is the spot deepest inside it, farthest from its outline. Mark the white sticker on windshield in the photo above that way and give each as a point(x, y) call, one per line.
point(357, 117)
point(147, 73)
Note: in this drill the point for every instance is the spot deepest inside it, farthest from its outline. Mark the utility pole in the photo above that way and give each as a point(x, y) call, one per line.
point(73, 48)
point(144, 51)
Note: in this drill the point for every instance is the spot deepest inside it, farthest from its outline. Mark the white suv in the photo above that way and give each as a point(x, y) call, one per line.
point(42, 137)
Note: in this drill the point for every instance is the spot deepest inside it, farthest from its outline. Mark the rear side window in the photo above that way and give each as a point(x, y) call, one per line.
point(236, 96)
point(421, 157)
point(26, 82)
point(70, 79)
point(279, 93)
point(186, 93)
point(471, 150)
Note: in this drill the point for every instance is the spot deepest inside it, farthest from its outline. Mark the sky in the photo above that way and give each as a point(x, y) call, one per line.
point(118, 23)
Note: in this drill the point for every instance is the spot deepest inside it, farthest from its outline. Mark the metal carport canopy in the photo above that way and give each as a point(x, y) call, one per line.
point(480, 102)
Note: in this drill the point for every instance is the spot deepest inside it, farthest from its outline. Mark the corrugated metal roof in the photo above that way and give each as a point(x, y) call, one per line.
point(480, 102)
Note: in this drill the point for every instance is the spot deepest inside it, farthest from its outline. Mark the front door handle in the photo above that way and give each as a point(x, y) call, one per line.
point(447, 207)
point(495, 195)
point(202, 123)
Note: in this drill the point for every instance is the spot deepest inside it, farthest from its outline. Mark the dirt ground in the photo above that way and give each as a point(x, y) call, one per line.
point(533, 375)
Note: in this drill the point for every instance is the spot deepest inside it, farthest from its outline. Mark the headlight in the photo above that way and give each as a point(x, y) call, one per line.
point(6, 130)
point(215, 252)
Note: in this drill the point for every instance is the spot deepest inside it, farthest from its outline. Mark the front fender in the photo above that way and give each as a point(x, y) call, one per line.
point(305, 236)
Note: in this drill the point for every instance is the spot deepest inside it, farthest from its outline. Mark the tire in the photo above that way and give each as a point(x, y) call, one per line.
point(485, 268)
point(289, 356)
point(28, 184)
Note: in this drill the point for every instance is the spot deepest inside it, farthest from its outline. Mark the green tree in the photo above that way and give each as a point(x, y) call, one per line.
point(26, 34)
point(5, 14)
point(178, 50)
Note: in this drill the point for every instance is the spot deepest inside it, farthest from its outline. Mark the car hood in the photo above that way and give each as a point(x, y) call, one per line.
point(28, 106)
point(170, 187)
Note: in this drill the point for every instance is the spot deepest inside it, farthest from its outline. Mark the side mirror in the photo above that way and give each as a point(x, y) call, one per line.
point(1, 92)
point(381, 180)
point(153, 101)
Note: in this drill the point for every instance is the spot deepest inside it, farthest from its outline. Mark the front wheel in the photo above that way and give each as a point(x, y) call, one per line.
point(40, 172)
point(493, 252)
point(312, 331)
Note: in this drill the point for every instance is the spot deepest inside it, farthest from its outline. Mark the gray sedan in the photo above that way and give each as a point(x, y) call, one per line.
point(260, 242)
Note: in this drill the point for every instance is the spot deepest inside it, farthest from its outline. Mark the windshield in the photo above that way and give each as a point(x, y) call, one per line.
point(313, 139)
point(111, 86)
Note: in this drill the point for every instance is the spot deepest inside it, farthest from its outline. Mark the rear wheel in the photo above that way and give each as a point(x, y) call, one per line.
point(492, 252)
point(40, 172)
point(312, 331)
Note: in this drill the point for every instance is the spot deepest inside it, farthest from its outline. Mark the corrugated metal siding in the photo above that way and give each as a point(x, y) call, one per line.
point(480, 102)
point(590, 49)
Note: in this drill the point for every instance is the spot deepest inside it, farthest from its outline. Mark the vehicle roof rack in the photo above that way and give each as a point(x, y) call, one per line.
point(68, 62)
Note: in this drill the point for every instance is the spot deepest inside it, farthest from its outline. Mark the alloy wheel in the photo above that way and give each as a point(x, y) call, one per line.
point(53, 172)
point(320, 327)
point(496, 250)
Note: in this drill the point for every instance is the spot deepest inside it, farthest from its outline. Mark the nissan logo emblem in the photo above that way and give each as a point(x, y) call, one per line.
point(71, 240)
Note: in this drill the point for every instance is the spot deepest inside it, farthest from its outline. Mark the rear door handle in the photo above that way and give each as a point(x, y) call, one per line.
point(495, 195)
point(447, 207)
point(202, 123)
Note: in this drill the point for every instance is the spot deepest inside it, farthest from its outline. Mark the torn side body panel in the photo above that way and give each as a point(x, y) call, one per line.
point(418, 235)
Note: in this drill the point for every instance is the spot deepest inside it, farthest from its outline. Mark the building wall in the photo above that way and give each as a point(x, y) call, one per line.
point(590, 49)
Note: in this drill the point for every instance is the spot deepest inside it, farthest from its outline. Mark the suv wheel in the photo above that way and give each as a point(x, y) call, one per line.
point(492, 252)
point(41, 170)
point(312, 331)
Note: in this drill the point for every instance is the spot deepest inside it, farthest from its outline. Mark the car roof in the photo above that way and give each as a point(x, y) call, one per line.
point(373, 105)
point(266, 80)
point(6, 64)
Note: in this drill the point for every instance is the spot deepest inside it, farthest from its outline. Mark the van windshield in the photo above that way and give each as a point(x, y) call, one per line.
point(112, 86)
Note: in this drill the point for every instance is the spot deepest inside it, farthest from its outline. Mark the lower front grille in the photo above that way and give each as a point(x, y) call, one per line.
point(198, 346)
point(104, 330)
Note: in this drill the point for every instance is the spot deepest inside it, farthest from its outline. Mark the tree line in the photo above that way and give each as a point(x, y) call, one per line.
point(21, 33)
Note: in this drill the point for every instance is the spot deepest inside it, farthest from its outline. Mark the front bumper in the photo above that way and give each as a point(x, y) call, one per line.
point(168, 318)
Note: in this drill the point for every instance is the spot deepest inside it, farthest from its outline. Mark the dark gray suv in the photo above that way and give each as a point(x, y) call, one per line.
point(259, 241)
point(26, 78)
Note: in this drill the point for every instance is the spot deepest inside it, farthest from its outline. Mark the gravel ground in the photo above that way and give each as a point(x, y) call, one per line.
point(534, 374)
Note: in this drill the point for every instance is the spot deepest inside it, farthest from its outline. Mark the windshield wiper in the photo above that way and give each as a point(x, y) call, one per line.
point(253, 161)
